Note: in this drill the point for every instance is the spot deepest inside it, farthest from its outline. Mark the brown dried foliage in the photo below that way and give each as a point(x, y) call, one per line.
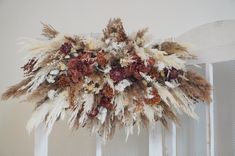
point(196, 87)
point(137, 91)
point(115, 30)
point(155, 100)
point(168, 113)
point(172, 48)
point(14, 91)
point(28, 67)
point(40, 95)
point(48, 31)
point(63, 81)
point(140, 35)
point(108, 91)
point(51, 56)
point(74, 92)
point(101, 59)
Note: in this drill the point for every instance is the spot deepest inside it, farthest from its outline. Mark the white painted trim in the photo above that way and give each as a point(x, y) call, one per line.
point(210, 114)
point(40, 141)
point(155, 140)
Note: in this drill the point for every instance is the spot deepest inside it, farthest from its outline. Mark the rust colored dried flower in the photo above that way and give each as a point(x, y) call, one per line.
point(108, 91)
point(66, 48)
point(80, 66)
point(63, 81)
point(101, 60)
point(156, 98)
point(151, 61)
point(154, 73)
point(138, 66)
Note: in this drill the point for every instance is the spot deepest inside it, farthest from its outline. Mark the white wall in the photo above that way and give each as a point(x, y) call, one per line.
point(18, 18)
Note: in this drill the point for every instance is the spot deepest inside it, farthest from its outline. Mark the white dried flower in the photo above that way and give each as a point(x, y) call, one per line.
point(122, 85)
point(50, 78)
point(102, 114)
point(51, 94)
point(54, 72)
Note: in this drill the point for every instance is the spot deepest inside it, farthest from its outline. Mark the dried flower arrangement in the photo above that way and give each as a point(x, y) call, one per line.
point(109, 82)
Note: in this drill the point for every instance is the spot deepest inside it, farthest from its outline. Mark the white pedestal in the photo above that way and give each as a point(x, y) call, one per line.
point(40, 142)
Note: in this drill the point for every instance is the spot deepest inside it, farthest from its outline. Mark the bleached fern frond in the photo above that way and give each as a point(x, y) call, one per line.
point(57, 111)
point(38, 117)
point(167, 61)
point(186, 104)
point(88, 100)
point(41, 46)
point(149, 113)
point(119, 102)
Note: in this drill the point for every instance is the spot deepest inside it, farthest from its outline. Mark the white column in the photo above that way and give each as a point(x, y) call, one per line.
point(155, 140)
point(173, 136)
point(210, 114)
point(169, 140)
point(40, 142)
point(98, 146)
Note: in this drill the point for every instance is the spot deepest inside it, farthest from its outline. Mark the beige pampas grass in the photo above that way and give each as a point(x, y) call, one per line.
point(16, 90)
point(196, 87)
point(115, 30)
point(171, 47)
point(48, 31)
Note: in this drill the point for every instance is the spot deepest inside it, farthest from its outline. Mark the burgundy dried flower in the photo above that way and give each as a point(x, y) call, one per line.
point(117, 74)
point(80, 66)
point(154, 73)
point(138, 66)
point(106, 103)
point(66, 48)
point(28, 67)
point(171, 73)
point(93, 112)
